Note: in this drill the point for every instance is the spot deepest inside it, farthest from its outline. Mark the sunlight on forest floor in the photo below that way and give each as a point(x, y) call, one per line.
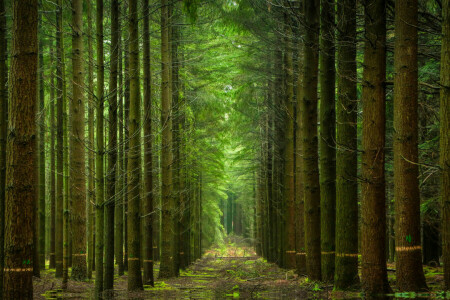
point(231, 271)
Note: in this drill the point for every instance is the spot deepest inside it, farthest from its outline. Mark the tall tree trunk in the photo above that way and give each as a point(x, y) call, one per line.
point(309, 133)
point(288, 178)
point(21, 165)
point(41, 122)
point(112, 151)
point(134, 234)
point(148, 152)
point(167, 239)
point(121, 172)
point(445, 140)
point(99, 158)
point(373, 204)
point(299, 189)
point(327, 140)
point(52, 196)
point(59, 142)
point(91, 159)
point(409, 270)
point(3, 130)
point(77, 177)
point(346, 268)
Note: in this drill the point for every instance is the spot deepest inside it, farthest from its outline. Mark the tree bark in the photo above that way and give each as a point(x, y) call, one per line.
point(148, 153)
point(167, 268)
point(3, 130)
point(134, 234)
point(112, 151)
point(445, 140)
point(99, 159)
point(346, 267)
point(310, 150)
point(21, 161)
point(409, 270)
point(373, 202)
point(327, 140)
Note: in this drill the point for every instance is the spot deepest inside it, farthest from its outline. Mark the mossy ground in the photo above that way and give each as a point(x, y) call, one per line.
point(230, 271)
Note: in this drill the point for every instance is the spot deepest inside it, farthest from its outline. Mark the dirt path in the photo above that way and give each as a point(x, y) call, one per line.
point(229, 272)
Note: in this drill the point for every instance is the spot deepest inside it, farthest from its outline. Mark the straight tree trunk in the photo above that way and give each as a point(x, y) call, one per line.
point(3, 130)
point(148, 152)
point(346, 267)
point(41, 122)
point(21, 161)
point(52, 195)
point(91, 159)
point(59, 208)
point(134, 234)
point(327, 140)
point(112, 151)
point(299, 189)
point(167, 268)
point(121, 175)
point(310, 147)
point(409, 271)
point(373, 202)
point(289, 187)
point(445, 140)
point(121, 172)
point(99, 158)
point(77, 176)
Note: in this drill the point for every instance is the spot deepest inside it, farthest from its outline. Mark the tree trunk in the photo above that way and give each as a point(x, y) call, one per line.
point(327, 140)
point(309, 133)
point(373, 203)
point(3, 130)
point(41, 122)
point(299, 190)
point(52, 196)
point(134, 234)
point(77, 177)
point(148, 152)
point(288, 196)
point(445, 140)
point(21, 165)
point(167, 268)
point(108, 280)
point(59, 142)
point(91, 159)
point(121, 172)
point(99, 157)
point(346, 267)
point(409, 270)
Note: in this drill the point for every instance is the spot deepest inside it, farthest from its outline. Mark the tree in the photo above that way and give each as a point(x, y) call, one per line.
point(112, 151)
point(309, 134)
point(99, 157)
point(59, 207)
point(77, 151)
point(373, 202)
point(327, 139)
point(148, 153)
point(346, 268)
point(409, 270)
point(445, 140)
point(91, 160)
point(288, 192)
point(134, 233)
point(167, 268)
point(21, 161)
point(3, 130)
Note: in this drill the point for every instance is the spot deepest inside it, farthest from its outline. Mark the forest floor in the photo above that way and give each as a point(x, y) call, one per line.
point(232, 271)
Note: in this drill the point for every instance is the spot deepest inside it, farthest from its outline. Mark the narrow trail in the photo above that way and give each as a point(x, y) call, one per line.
point(232, 271)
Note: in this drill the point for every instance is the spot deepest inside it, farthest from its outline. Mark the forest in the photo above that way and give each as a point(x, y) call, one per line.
point(220, 149)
